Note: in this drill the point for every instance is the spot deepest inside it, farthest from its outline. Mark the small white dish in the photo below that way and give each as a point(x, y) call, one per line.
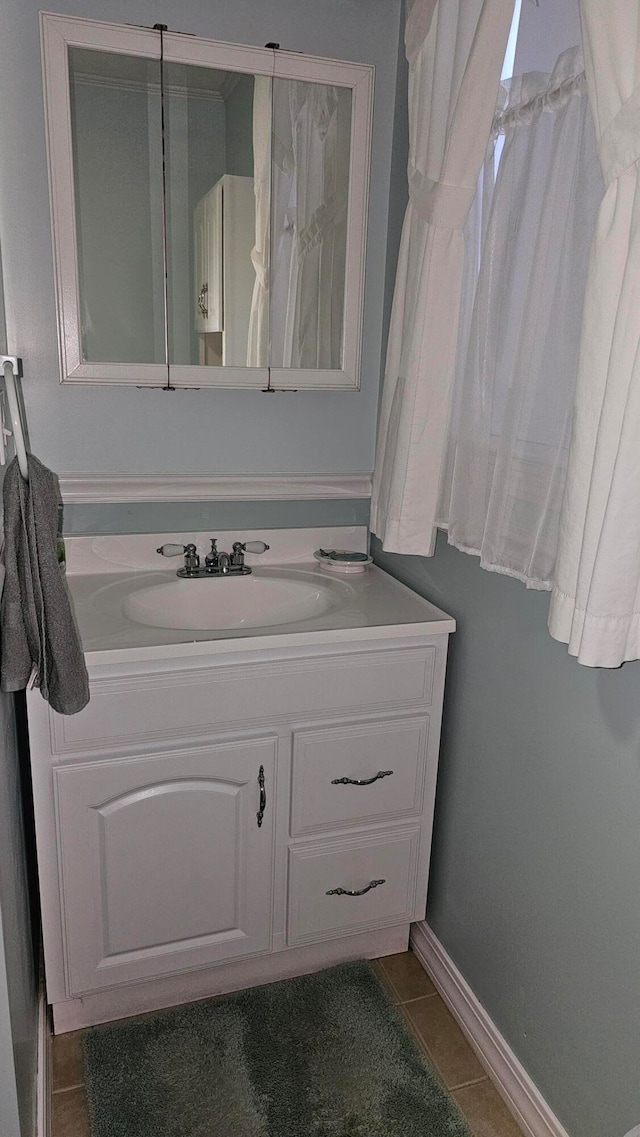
point(338, 561)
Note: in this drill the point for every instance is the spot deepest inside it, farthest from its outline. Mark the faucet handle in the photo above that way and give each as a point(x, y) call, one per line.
point(172, 550)
point(252, 546)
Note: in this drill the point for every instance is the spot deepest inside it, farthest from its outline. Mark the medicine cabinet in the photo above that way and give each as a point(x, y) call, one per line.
point(208, 208)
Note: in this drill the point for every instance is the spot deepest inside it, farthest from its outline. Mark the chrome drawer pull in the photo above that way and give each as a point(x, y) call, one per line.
point(263, 797)
point(364, 781)
point(357, 892)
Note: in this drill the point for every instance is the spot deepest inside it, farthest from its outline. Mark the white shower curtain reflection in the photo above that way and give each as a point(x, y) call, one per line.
point(258, 343)
point(310, 171)
point(509, 432)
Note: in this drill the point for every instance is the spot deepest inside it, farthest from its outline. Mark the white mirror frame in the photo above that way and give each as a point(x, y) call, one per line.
point(61, 32)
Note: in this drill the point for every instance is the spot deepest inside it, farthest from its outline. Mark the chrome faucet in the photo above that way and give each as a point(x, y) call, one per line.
point(215, 563)
point(211, 559)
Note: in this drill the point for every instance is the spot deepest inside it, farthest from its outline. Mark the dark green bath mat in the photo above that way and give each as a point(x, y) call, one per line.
point(324, 1055)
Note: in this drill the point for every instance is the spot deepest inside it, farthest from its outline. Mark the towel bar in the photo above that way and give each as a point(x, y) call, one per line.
point(12, 368)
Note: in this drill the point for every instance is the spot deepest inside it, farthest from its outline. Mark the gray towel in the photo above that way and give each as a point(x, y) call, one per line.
point(38, 628)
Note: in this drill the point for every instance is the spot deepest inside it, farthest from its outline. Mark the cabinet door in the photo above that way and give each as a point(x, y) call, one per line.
point(163, 864)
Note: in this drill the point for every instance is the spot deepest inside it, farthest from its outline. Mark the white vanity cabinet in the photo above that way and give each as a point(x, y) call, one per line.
point(158, 883)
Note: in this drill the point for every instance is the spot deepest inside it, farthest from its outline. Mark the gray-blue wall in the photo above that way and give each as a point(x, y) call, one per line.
point(96, 429)
point(536, 859)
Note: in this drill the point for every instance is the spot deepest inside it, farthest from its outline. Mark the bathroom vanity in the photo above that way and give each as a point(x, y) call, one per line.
point(237, 803)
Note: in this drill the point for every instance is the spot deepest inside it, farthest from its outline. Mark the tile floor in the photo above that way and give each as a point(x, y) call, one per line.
point(428, 1019)
point(441, 1040)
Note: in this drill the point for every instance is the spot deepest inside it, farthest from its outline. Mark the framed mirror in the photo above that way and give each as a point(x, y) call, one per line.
point(208, 209)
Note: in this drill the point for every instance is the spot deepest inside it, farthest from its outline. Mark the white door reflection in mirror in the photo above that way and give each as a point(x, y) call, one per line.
point(211, 215)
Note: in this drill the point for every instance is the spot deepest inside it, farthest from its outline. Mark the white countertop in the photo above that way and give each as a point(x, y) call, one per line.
point(368, 606)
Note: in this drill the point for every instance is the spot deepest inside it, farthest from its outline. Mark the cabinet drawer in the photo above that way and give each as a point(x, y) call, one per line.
point(388, 756)
point(317, 911)
point(179, 703)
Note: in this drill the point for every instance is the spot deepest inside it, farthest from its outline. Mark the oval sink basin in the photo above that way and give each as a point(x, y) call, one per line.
point(231, 602)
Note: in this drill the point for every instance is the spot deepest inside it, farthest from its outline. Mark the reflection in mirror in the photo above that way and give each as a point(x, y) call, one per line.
point(250, 218)
point(117, 159)
point(258, 183)
point(310, 192)
point(217, 153)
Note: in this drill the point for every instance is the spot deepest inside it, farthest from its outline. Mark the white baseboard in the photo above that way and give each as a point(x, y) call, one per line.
point(43, 1088)
point(100, 488)
point(509, 1076)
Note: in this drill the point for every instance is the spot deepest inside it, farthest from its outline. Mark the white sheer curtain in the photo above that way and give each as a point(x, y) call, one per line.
point(595, 605)
point(513, 394)
point(455, 50)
